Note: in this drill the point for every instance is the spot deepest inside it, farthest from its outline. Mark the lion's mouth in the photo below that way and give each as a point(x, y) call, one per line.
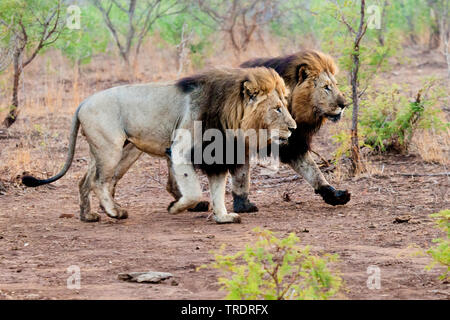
point(334, 117)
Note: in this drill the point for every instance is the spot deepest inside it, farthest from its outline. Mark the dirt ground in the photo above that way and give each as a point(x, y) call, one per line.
point(37, 245)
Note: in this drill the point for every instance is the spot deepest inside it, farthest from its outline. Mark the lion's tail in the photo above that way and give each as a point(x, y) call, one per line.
point(30, 181)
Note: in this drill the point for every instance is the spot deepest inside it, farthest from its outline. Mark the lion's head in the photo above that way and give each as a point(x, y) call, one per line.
point(254, 98)
point(265, 103)
point(310, 75)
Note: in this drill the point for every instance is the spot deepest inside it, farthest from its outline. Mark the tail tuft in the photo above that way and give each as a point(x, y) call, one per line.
point(30, 181)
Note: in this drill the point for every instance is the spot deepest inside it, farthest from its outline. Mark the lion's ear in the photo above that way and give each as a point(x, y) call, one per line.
point(249, 90)
point(302, 72)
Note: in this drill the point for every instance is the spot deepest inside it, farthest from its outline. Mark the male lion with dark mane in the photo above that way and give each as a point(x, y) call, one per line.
point(122, 122)
point(315, 97)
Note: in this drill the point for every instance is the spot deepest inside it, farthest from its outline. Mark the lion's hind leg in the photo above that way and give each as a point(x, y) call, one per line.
point(107, 158)
point(130, 154)
point(85, 187)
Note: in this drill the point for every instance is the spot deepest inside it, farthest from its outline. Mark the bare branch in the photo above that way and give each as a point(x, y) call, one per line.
point(342, 16)
point(46, 33)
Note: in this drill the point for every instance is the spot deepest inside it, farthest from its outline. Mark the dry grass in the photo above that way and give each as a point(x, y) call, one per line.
point(432, 147)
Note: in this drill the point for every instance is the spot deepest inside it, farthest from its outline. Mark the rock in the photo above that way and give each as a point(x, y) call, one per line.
point(174, 283)
point(66, 215)
point(402, 219)
point(148, 277)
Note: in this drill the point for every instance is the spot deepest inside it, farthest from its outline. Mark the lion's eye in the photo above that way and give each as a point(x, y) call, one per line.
point(278, 109)
point(327, 88)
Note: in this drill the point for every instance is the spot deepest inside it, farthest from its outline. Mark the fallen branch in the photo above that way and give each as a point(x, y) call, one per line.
point(423, 174)
point(321, 158)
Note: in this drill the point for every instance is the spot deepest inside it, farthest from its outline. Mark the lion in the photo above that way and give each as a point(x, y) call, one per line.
point(315, 98)
point(155, 117)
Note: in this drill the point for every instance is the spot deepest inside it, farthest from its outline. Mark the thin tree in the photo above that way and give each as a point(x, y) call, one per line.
point(358, 35)
point(239, 19)
point(435, 17)
point(445, 33)
point(33, 28)
point(182, 50)
point(140, 16)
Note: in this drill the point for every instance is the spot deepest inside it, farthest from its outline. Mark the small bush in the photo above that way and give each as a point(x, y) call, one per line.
point(441, 252)
point(277, 269)
point(388, 120)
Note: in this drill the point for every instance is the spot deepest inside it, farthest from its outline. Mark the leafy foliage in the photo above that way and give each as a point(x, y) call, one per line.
point(79, 45)
point(33, 16)
point(277, 269)
point(388, 119)
point(170, 29)
point(441, 252)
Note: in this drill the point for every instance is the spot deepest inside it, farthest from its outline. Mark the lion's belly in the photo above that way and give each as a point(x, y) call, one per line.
point(152, 147)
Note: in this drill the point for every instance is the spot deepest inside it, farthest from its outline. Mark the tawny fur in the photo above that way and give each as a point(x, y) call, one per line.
point(147, 117)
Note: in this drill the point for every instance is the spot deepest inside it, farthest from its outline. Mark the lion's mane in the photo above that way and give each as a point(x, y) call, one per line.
point(299, 68)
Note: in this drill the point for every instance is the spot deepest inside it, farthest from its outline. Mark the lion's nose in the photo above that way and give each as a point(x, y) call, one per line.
point(292, 129)
point(341, 102)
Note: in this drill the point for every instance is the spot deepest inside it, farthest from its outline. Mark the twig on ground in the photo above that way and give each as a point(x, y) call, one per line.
point(423, 174)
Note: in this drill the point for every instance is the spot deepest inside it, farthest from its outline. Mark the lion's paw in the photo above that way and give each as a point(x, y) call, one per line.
point(90, 217)
point(228, 218)
point(334, 197)
point(202, 206)
point(241, 204)
point(119, 213)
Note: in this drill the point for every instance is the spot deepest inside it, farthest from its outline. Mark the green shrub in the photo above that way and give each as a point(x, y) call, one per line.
point(441, 252)
point(276, 269)
point(81, 45)
point(388, 119)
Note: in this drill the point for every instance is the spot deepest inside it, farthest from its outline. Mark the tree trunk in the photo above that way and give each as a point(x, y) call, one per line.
point(13, 109)
point(382, 29)
point(355, 156)
point(435, 35)
point(435, 38)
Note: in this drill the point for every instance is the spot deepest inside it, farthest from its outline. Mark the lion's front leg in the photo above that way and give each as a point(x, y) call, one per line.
point(172, 188)
point(306, 166)
point(188, 186)
point(183, 177)
point(217, 184)
point(240, 178)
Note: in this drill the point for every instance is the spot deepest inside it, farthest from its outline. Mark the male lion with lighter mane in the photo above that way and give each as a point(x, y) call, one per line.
point(120, 123)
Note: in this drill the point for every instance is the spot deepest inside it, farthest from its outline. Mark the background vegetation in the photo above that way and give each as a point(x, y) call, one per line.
point(365, 37)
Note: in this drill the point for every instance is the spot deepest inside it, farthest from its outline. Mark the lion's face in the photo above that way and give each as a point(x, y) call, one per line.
point(269, 111)
point(317, 97)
